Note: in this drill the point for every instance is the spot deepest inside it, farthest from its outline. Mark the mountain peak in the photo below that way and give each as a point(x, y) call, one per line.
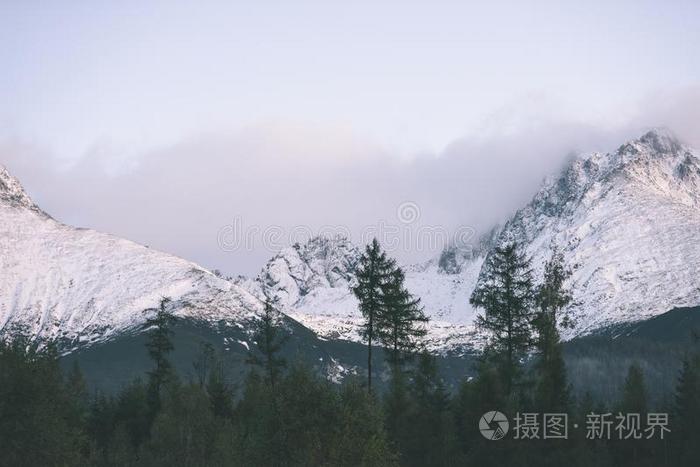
point(660, 141)
point(12, 192)
point(323, 261)
point(324, 246)
point(625, 221)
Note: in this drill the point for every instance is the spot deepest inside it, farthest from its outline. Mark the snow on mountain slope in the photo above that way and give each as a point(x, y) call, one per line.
point(628, 222)
point(311, 283)
point(83, 286)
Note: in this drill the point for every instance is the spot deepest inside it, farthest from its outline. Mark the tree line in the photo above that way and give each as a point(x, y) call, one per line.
point(285, 414)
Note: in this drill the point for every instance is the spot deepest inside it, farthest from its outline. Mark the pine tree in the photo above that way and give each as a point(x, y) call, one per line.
point(268, 343)
point(258, 415)
point(476, 396)
point(634, 392)
point(209, 369)
point(397, 407)
point(77, 386)
point(551, 298)
point(430, 438)
point(159, 345)
point(633, 452)
point(204, 363)
point(184, 432)
point(362, 438)
point(506, 295)
point(686, 435)
point(398, 328)
point(133, 416)
point(40, 417)
point(399, 324)
point(373, 273)
point(220, 392)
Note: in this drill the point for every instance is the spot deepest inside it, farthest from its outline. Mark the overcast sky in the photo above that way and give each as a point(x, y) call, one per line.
point(168, 122)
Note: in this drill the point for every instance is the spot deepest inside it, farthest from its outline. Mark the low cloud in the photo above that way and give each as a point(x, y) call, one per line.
point(179, 198)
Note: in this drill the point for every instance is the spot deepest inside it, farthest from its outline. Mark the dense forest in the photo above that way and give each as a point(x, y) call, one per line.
point(286, 414)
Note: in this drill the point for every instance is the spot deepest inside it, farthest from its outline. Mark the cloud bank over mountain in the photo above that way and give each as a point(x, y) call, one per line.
point(300, 180)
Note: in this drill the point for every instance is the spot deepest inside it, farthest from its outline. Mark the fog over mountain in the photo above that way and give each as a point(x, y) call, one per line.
point(165, 123)
point(625, 221)
point(276, 183)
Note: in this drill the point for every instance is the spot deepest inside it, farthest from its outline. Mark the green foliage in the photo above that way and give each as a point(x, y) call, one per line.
point(298, 418)
point(687, 413)
point(374, 271)
point(399, 323)
point(551, 298)
point(184, 431)
point(220, 392)
point(304, 421)
point(308, 421)
point(551, 295)
point(634, 400)
point(361, 438)
point(392, 316)
point(428, 435)
point(40, 413)
point(204, 362)
point(506, 295)
point(634, 395)
point(268, 344)
point(159, 345)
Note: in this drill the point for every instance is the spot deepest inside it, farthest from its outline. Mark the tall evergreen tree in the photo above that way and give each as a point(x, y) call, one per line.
point(397, 407)
point(634, 392)
point(159, 345)
point(362, 438)
point(40, 417)
point(184, 432)
point(133, 416)
point(204, 363)
point(209, 369)
point(398, 328)
point(506, 295)
point(633, 452)
point(220, 392)
point(399, 325)
point(551, 295)
point(268, 343)
point(551, 298)
point(373, 273)
point(75, 382)
point(686, 435)
point(429, 437)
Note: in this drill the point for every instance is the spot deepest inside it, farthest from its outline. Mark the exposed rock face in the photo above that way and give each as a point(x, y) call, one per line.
point(628, 223)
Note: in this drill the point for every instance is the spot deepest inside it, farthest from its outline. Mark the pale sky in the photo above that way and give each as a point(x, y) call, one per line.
point(294, 96)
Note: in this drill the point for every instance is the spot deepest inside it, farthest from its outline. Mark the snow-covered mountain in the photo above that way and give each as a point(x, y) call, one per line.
point(628, 223)
point(82, 286)
point(311, 283)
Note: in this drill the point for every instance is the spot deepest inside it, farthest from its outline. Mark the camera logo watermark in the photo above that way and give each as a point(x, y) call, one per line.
point(408, 213)
point(493, 425)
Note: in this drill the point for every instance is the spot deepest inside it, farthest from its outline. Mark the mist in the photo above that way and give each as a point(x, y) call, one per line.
point(275, 183)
